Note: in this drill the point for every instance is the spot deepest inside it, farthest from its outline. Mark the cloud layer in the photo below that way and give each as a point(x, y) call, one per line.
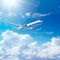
point(16, 46)
point(26, 14)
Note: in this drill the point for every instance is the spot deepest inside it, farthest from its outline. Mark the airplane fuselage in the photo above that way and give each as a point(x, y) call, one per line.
point(28, 26)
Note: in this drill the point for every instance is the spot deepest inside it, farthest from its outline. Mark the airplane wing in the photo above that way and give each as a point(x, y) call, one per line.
point(14, 24)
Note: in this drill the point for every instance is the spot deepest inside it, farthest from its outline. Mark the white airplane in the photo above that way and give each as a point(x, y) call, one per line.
point(28, 26)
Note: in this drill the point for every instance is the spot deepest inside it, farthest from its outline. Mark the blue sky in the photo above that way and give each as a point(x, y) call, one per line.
point(27, 11)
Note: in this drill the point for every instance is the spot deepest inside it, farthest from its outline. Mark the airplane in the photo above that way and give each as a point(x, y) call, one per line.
point(28, 26)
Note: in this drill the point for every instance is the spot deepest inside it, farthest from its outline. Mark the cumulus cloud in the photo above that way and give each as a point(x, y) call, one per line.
point(16, 46)
point(51, 49)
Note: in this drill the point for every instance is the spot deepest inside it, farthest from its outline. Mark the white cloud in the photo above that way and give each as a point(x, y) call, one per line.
point(51, 49)
point(28, 14)
point(49, 32)
point(16, 46)
point(11, 14)
point(40, 14)
point(25, 15)
point(12, 39)
point(34, 15)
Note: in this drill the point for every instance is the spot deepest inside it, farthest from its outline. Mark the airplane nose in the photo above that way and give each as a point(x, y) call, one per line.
point(41, 21)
